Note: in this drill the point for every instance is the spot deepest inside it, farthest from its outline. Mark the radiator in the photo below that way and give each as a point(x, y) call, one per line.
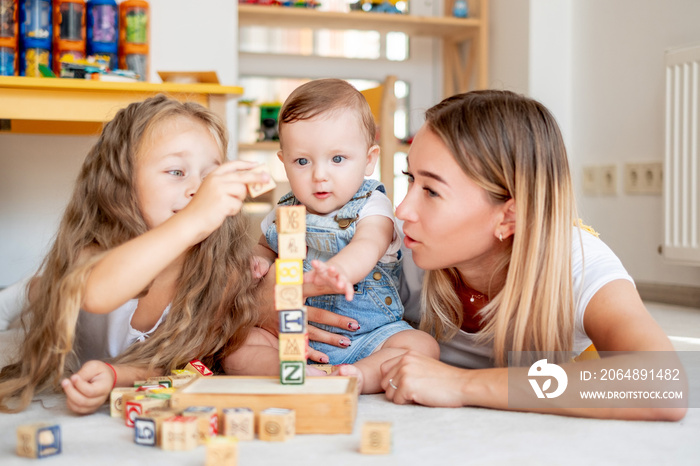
point(681, 159)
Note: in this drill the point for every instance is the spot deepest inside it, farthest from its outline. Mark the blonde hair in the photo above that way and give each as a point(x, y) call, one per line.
point(213, 307)
point(327, 95)
point(511, 146)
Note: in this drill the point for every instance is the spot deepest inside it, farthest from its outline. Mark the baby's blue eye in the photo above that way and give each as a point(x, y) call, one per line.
point(177, 172)
point(302, 161)
point(337, 158)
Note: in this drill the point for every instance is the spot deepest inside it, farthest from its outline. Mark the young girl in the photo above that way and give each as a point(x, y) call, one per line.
point(150, 266)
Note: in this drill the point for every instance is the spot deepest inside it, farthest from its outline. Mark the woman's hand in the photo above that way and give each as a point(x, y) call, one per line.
point(270, 320)
point(89, 388)
point(423, 380)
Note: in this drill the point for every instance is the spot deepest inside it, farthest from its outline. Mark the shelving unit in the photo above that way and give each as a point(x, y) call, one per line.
point(76, 106)
point(464, 45)
point(459, 72)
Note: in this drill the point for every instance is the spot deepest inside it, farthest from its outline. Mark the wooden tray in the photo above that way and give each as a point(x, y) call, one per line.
point(323, 405)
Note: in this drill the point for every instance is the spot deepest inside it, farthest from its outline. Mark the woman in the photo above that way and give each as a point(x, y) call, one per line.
point(490, 215)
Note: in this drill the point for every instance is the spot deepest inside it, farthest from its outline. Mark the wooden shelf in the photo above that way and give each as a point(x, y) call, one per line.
point(425, 26)
point(76, 106)
point(273, 146)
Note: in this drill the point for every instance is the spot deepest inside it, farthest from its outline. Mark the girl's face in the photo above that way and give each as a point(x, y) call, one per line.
point(171, 165)
point(449, 221)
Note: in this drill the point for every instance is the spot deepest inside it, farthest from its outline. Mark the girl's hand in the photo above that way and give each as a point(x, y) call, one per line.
point(89, 388)
point(330, 279)
point(222, 194)
point(423, 380)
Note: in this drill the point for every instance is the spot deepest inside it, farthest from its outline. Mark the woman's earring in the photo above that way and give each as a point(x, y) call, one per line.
point(500, 237)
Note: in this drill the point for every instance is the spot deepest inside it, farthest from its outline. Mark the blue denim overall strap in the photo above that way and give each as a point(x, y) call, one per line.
point(376, 302)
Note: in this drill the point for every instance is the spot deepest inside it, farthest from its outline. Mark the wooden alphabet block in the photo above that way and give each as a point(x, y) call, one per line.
point(178, 380)
point(180, 433)
point(289, 271)
point(256, 189)
point(376, 438)
point(161, 393)
point(291, 219)
point(327, 368)
point(152, 420)
point(222, 451)
point(291, 245)
point(38, 440)
point(164, 380)
point(116, 404)
point(293, 346)
point(289, 297)
point(198, 368)
point(292, 372)
point(145, 431)
point(276, 424)
point(293, 321)
point(239, 423)
point(135, 408)
point(207, 421)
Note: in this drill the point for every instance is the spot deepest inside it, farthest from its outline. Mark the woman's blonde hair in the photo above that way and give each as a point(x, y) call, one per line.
point(321, 96)
point(213, 307)
point(511, 146)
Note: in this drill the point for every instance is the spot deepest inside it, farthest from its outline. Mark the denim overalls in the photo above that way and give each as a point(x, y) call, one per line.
point(376, 305)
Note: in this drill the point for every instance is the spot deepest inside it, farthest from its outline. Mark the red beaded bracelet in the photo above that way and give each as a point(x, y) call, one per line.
point(115, 374)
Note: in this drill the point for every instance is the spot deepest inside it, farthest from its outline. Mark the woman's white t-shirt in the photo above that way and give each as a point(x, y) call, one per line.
point(593, 266)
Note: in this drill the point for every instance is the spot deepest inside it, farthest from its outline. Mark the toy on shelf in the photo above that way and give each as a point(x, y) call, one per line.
point(460, 9)
point(102, 33)
point(35, 35)
point(9, 41)
point(133, 36)
point(68, 31)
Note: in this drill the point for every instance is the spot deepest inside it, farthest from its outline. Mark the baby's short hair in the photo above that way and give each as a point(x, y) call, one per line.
point(324, 95)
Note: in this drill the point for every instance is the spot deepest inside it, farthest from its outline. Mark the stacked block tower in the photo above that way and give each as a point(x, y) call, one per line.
point(289, 300)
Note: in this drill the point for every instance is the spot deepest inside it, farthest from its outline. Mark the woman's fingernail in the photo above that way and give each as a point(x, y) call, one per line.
point(344, 342)
point(324, 360)
point(353, 326)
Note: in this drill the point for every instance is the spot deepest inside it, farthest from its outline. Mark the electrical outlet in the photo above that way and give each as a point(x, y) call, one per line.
point(590, 180)
point(600, 180)
point(607, 180)
point(644, 178)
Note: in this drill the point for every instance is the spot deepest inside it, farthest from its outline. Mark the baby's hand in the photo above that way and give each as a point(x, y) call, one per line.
point(89, 388)
point(260, 266)
point(324, 275)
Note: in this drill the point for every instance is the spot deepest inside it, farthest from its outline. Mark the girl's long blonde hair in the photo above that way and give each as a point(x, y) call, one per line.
point(213, 307)
point(511, 146)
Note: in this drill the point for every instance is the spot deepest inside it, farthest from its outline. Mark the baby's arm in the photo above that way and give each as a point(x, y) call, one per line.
point(89, 388)
point(263, 258)
point(129, 268)
point(370, 242)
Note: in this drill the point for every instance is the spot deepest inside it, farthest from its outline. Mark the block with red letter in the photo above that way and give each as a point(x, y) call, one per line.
point(134, 408)
point(198, 368)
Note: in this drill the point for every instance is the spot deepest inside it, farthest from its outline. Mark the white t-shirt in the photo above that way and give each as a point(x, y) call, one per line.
point(601, 267)
point(104, 336)
point(377, 204)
